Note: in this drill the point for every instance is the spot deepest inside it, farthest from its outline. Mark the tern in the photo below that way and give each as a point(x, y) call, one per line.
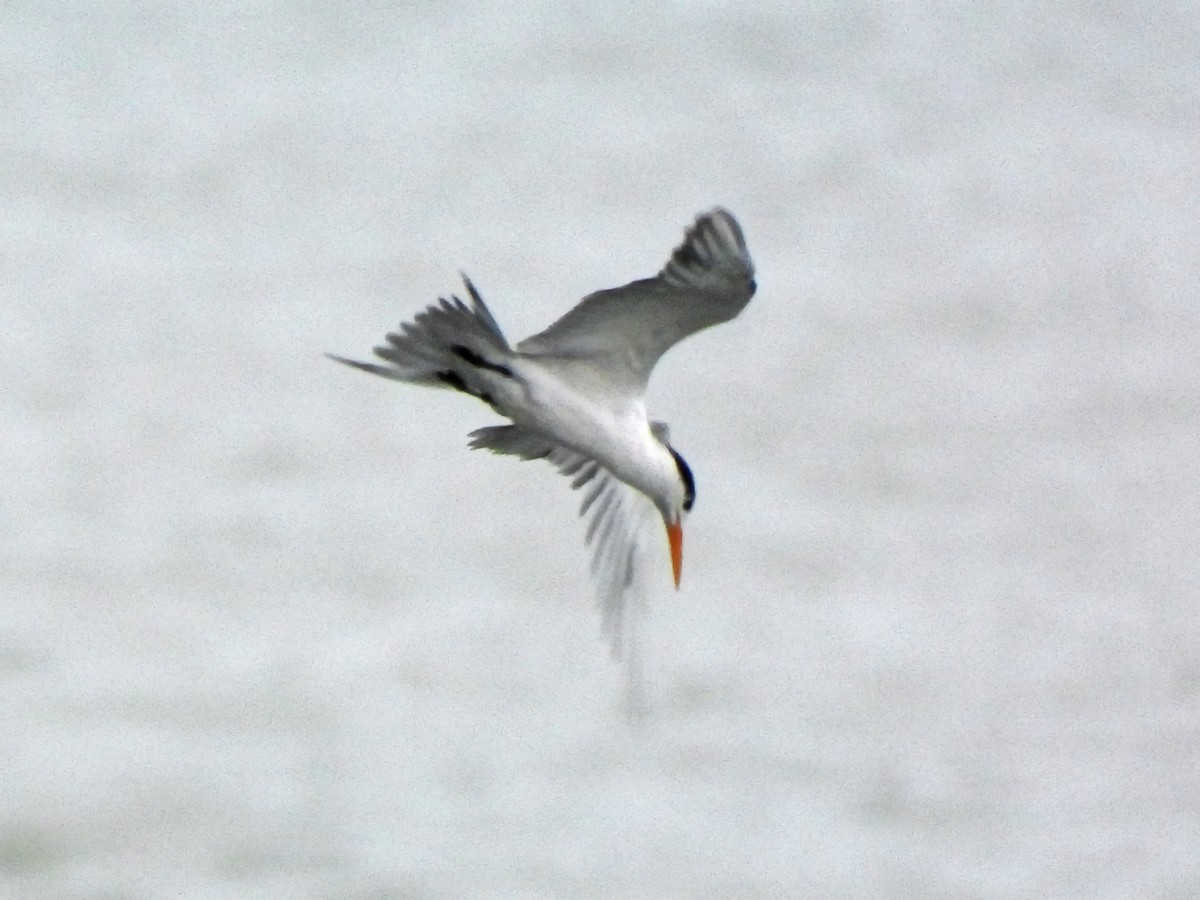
point(575, 393)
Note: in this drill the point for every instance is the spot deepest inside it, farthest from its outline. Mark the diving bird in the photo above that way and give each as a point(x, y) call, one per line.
point(575, 393)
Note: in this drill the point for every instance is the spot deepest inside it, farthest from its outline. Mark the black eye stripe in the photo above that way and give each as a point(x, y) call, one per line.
point(689, 483)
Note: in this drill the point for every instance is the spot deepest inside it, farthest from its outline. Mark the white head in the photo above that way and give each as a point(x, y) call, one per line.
point(675, 498)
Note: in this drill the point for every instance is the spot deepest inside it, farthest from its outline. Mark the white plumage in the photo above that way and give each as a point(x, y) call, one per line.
point(575, 393)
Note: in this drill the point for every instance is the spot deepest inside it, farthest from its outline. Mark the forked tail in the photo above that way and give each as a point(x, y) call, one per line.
point(449, 344)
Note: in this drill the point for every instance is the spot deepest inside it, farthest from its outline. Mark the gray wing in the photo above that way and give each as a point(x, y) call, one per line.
point(616, 513)
point(709, 279)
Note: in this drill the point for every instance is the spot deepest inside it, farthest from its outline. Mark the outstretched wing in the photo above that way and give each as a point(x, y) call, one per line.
point(709, 279)
point(617, 515)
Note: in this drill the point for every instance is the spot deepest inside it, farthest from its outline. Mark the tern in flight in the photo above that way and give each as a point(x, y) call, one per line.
point(575, 393)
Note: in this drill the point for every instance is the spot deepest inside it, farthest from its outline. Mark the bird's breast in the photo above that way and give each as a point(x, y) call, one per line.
point(612, 430)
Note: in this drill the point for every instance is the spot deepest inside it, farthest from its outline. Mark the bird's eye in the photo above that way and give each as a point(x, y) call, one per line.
point(689, 483)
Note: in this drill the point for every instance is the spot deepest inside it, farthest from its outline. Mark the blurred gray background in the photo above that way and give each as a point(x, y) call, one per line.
point(269, 629)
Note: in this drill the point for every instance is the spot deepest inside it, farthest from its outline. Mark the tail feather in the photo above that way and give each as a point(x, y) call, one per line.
point(481, 310)
point(381, 371)
point(437, 346)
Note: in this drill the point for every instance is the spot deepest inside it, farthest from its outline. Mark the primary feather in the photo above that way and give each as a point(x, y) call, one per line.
point(708, 280)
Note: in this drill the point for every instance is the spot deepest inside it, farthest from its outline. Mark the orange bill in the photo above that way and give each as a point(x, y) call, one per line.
point(675, 538)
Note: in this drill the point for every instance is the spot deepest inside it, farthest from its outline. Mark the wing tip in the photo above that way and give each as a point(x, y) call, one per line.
point(714, 243)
